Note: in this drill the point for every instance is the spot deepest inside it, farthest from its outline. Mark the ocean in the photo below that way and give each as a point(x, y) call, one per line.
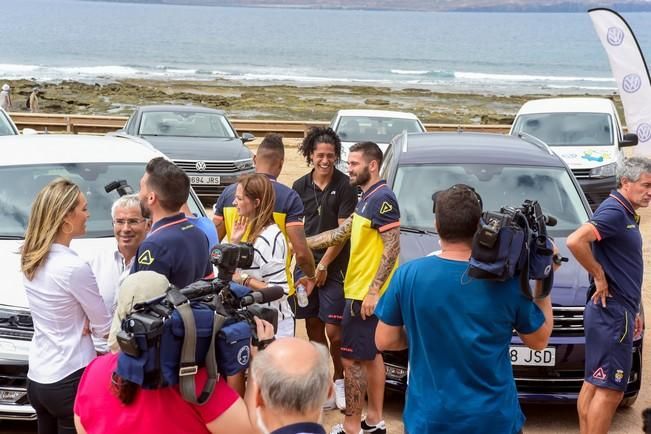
point(494, 53)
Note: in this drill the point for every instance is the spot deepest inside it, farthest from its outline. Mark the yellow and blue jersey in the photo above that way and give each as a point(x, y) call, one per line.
point(376, 212)
point(288, 211)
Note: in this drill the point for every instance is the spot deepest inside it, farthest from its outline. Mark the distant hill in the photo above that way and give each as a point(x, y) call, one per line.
point(423, 5)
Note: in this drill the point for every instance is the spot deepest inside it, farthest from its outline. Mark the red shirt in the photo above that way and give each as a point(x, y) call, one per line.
point(158, 411)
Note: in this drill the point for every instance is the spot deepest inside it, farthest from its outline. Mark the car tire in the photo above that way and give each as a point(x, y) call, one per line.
point(628, 401)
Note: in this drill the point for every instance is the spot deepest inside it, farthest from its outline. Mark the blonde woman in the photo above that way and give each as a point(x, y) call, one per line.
point(254, 200)
point(64, 301)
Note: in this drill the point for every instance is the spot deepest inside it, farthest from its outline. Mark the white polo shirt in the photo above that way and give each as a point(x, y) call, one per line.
point(110, 269)
point(62, 294)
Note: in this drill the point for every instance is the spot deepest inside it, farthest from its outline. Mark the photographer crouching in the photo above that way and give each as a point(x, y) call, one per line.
point(458, 330)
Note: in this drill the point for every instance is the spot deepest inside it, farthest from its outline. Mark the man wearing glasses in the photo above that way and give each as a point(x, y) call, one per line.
point(111, 266)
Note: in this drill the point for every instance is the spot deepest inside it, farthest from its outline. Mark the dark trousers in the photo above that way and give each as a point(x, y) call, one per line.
point(54, 404)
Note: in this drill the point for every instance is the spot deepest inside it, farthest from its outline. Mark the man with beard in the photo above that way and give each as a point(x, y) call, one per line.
point(175, 247)
point(374, 233)
point(111, 266)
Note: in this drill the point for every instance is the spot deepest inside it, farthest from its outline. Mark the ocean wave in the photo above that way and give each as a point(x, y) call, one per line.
point(478, 76)
point(409, 72)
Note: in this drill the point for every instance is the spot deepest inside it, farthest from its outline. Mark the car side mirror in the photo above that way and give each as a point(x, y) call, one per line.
point(247, 137)
point(630, 139)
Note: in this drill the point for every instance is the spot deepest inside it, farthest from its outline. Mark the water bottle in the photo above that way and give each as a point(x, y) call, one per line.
point(301, 296)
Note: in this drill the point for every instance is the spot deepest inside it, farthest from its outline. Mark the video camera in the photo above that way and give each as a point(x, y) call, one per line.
point(209, 322)
point(514, 241)
point(120, 185)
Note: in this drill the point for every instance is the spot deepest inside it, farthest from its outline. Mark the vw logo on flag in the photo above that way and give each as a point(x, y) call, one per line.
point(615, 36)
point(631, 83)
point(643, 132)
point(200, 166)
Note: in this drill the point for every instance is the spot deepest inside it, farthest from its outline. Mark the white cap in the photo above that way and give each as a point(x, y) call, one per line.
point(5, 87)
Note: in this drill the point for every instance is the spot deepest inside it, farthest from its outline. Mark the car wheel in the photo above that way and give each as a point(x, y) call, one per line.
point(629, 401)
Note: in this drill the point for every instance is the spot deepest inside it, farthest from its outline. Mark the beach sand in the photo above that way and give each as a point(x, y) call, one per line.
point(244, 100)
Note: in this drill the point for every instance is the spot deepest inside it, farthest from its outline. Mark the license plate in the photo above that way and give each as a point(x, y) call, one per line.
point(214, 180)
point(524, 356)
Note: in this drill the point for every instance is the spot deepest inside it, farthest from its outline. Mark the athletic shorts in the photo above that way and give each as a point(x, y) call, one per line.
point(326, 302)
point(357, 334)
point(608, 344)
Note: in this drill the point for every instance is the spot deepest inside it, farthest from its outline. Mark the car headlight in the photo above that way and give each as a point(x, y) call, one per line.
point(16, 323)
point(244, 164)
point(604, 171)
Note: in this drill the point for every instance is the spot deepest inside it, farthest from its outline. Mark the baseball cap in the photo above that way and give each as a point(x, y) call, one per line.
point(135, 288)
point(6, 87)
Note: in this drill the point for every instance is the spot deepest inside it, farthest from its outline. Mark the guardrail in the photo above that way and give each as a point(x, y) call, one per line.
point(85, 124)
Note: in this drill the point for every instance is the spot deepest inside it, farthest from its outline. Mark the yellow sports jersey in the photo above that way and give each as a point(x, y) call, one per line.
point(288, 211)
point(376, 212)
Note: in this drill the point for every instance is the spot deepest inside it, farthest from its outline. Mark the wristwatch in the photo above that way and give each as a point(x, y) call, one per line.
point(243, 277)
point(321, 267)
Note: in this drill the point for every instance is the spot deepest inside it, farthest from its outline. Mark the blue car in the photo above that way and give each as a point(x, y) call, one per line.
point(505, 171)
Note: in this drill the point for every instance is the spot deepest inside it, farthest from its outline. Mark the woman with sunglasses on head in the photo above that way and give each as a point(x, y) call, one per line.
point(64, 301)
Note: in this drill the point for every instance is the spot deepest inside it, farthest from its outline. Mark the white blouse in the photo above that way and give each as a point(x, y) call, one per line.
point(62, 294)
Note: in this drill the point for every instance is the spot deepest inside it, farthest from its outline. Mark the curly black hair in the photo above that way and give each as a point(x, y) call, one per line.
point(318, 135)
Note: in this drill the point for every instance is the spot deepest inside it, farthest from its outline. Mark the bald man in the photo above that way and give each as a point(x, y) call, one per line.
point(291, 380)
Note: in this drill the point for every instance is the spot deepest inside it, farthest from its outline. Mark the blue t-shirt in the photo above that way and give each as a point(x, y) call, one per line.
point(618, 249)
point(459, 330)
point(207, 227)
point(176, 249)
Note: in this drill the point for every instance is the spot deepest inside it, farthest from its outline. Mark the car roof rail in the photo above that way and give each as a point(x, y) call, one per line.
point(535, 141)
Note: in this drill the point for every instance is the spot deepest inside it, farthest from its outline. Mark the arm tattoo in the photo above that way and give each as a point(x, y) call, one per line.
point(391, 240)
point(355, 386)
point(331, 237)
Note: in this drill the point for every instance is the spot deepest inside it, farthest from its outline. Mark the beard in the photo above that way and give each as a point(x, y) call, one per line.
point(146, 211)
point(361, 178)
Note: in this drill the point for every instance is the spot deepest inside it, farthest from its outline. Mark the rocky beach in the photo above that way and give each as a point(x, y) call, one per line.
point(246, 100)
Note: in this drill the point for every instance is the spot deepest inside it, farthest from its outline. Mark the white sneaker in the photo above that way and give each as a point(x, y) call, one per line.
point(340, 394)
point(339, 429)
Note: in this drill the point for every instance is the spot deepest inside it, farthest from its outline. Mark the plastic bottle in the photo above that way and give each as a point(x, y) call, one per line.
point(301, 296)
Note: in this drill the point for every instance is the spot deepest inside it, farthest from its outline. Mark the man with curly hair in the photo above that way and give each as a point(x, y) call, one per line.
point(328, 199)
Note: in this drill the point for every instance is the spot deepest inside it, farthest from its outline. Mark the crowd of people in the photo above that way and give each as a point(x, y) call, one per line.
point(342, 231)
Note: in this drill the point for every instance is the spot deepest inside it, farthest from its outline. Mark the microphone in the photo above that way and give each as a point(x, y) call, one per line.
point(270, 293)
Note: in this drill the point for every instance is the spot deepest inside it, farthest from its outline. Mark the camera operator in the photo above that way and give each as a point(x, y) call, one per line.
point(175, 247)
point(458, 330)
point(290, 380)
point(108, 403)
point(112, 266)
point(609, 247)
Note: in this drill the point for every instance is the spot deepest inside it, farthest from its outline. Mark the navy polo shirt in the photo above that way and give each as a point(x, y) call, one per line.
point(301, 428)
point(619, 249)
point(177, 249)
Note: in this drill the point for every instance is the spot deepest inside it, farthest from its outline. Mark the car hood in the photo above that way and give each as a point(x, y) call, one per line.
point(200, 148)
point(570, 281)
point(13, 292)
point(585, 157)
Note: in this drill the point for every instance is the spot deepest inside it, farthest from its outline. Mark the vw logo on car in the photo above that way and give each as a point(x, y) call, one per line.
point(200, 166)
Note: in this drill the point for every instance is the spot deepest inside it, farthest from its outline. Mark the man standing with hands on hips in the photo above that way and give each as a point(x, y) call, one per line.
point(374, 233)
point(609, 247)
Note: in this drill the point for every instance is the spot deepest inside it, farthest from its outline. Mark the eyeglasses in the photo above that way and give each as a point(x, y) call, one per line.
point(128, 222)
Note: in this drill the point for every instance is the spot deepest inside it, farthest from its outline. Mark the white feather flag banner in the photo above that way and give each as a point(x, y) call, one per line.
point(629, 70)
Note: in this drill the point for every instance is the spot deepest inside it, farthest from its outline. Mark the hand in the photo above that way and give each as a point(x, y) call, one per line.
point(86, 330)
point(239, 227)
point(307, 283)
point(368, 304)
point(601, 291)
point(639, 326)
point(321, 277)
point(237, 278)
point(264, 329)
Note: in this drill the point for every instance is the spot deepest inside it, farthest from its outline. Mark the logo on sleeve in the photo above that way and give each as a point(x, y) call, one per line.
point(599, 374)
point(619, 375)
point(146, 258)
point(385, 208)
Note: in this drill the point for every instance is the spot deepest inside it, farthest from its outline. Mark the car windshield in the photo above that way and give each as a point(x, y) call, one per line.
point(20, 184)
point(568, 129)
point(498, 186)
point(374, 129)
point(5, 126)
point(185, 124)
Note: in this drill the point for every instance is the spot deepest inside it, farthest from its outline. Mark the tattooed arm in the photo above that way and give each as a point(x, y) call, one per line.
point(331, 237)
point(390, 253)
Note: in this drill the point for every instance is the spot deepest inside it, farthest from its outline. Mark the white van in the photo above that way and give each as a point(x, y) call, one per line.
point(585, 132)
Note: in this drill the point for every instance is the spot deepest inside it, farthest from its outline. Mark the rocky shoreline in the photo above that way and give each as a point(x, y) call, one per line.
point(269, 101)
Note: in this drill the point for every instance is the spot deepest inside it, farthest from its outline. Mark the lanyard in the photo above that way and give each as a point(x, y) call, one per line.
point(636, 217)
point(185, 219)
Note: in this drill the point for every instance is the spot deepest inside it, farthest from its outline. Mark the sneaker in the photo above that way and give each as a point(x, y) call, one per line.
point(340, 394)
point(380, 428)
point(339, 429)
